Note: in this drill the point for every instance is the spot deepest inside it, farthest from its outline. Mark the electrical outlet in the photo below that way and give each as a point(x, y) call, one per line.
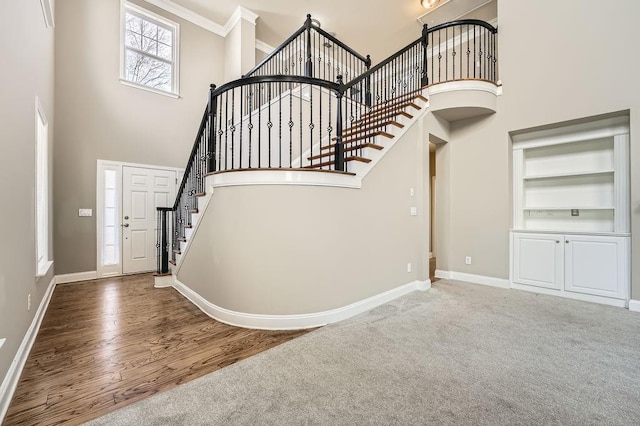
point(413, 211)
point(467, 260)
point(408, 267)
point(29, 302)
point(411, 192)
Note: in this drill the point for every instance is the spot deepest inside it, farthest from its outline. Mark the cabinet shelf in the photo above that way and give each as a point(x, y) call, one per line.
point(573, 174)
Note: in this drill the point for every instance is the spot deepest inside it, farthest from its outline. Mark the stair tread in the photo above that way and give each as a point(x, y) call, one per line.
point(372, 118)
point(367, 136)
point(351, 148)
point(353, 130)
point(346, 159)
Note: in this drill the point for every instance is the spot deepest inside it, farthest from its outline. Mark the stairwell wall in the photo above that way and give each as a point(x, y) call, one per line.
point(97, 117)
point(27, 49)
point(556, 65)
point(285, 250)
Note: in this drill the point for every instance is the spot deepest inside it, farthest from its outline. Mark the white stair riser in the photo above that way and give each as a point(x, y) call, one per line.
point(201, 203)
point(188, 232)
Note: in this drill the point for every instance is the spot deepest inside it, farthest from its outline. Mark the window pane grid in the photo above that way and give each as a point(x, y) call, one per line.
point(148, 52)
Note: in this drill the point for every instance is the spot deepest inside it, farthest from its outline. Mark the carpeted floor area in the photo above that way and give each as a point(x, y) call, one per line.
point(456, 354)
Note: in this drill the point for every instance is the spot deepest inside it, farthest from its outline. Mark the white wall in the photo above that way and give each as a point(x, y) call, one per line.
point(27, 49)
point(298, 249)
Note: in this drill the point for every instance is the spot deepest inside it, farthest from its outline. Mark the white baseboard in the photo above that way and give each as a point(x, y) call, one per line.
point(471, 278)
point(78, 276)
point(163, 281)
point(571, 295)
point(10, 381)
point(634, 305)
point(297, 321)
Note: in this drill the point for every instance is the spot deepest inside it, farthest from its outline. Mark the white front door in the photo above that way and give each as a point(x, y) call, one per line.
point(143, 190)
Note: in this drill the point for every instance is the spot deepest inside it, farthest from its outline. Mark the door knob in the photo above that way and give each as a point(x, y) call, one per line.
point(126, 225)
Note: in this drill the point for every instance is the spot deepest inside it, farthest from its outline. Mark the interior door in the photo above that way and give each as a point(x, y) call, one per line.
point(143, 190)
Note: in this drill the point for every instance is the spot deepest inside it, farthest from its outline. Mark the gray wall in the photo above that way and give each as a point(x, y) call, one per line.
point(99, 118)
point(555, 67)
point(293, 249)
point(27, 50)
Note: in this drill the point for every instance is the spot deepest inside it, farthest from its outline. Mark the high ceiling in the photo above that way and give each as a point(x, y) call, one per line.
point(375, 27)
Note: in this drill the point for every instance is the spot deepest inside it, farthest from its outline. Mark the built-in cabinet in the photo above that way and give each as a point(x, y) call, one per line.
point(571, 233)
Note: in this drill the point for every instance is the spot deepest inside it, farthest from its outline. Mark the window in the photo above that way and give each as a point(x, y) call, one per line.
point(149, 50)
point(42, 192)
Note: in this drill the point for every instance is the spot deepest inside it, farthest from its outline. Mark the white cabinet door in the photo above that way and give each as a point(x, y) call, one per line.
point(538, 260)
point(597, 265)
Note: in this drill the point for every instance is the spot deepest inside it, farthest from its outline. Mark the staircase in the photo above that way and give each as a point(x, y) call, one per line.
point(333, 113)
point(367, 135)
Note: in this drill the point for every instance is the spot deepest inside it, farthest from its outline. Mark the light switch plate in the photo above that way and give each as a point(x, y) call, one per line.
point(414, 211)
point(85, 212)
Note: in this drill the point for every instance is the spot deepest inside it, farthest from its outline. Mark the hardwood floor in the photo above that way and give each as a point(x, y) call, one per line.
point(105, 344)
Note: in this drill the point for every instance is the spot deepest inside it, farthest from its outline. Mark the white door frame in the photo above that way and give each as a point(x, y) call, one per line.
point(117, 166)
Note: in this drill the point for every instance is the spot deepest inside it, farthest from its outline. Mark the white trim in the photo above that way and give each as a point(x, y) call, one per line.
point(474, 279)
point(42, 193)
point(44, 268)
point(297, 321)
point(284, 177)
point(47, 12)
point(2, 342)
point(634, 305)
point(443, 275)
point(571, 295)
point(264, 47)
point(571, 133)
point(149, 89)
point(75, 277)
point(10, 381)
point(237, 15)
point(463, 86)
point(189, 15)
point(208, 24)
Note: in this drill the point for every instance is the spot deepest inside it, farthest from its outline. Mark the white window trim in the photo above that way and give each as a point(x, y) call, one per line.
point(47, 12)
point(42, 260)
point(124, 5)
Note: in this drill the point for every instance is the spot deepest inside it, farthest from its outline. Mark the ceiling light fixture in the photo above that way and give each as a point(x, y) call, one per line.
point(429, 4)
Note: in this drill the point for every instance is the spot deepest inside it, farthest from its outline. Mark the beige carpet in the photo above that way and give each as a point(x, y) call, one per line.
point(456, 354)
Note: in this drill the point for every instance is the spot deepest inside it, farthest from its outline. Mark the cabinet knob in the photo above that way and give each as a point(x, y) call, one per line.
point(557, 241)
point(567, 241)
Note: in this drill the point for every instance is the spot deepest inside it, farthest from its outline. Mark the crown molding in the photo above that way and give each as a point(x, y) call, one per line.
point(240, 13)
point(189, 15)
point(264, 47)
point(199, 20)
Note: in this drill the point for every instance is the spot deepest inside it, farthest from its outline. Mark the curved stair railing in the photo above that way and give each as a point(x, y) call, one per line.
point(294, 111)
